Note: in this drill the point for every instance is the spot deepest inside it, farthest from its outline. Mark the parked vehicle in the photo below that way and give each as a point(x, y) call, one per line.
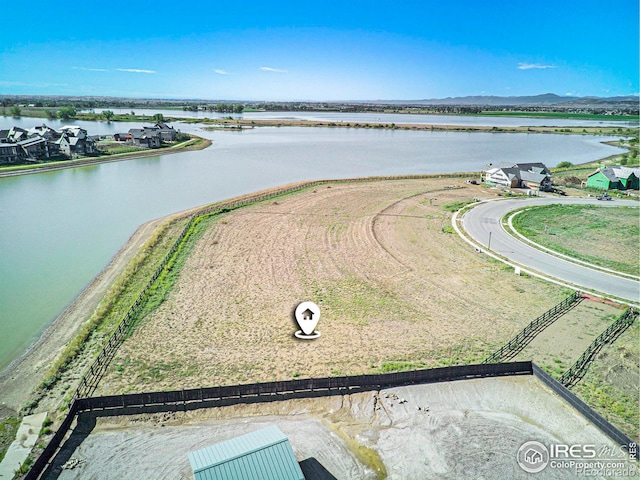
point(604, 196)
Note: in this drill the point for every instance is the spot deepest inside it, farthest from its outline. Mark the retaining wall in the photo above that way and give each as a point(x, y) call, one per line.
point(176, 400)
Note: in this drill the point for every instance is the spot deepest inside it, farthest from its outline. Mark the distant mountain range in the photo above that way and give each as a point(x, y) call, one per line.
point(544, 99)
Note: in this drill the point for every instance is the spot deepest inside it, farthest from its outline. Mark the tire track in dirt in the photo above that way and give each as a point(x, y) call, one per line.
point(392, 287)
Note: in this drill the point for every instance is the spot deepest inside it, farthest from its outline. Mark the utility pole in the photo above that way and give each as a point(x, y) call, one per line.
point(489, 244)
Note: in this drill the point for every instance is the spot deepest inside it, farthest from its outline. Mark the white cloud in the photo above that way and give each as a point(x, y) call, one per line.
point(135, 70)
point(529, 66)
point(269, 69)
point(221, 72)
point(91, 69)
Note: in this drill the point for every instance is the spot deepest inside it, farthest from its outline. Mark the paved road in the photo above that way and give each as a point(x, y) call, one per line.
point(486, 218)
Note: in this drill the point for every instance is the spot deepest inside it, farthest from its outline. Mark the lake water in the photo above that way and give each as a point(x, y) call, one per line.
point(58, 230)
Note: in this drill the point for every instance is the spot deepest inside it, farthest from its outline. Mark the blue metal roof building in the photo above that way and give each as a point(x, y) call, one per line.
point(265, 454)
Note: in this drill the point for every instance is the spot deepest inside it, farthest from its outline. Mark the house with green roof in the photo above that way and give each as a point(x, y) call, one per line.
point(614, 178)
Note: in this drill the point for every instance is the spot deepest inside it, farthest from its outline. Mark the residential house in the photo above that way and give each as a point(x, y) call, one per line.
point(79, 142)
point(122, 137)
point(63, 145)
point(167, 133)
point(520, 175)
point(45, 132)
point(534, 175)
point(17, 134)
point(148, 137)
point(34, 148)
point(614, 178)
point(629, 177)
point(503, 177)
point(9, 153)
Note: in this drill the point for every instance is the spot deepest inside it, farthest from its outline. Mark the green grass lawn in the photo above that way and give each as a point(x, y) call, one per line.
point(8, 428)
point(604, 236)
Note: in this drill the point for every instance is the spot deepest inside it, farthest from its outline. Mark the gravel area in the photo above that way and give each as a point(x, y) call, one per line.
point(462, 429)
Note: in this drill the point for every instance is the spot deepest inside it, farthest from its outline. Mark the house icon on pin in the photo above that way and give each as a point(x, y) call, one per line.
point(307, 315)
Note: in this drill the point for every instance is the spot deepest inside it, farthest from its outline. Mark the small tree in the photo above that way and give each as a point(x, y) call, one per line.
point(65, 113)
point(108, 115)
point(51, 114)
point(564, 164)
point(158, 117)
point(15, 111)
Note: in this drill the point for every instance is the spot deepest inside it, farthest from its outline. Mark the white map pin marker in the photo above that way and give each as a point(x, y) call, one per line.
point(307, 315)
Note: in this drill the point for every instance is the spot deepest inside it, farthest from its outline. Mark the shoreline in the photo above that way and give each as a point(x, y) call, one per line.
point(17, 170)
point(18, 387)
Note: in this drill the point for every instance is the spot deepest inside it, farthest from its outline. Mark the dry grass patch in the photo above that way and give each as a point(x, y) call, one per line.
point(392, 285)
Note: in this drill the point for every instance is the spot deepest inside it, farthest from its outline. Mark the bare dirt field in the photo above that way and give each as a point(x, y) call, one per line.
point(392, 282)
point(463, 429)
point(558, 346)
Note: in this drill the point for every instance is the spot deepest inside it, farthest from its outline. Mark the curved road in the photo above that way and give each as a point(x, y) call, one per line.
point(485, 219)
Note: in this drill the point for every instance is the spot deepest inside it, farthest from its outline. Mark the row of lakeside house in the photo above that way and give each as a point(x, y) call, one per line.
point(43, 143)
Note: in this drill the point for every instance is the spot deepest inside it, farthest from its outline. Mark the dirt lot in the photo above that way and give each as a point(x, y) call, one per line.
point(392, 284)
point(558, 346)
point(463, 429)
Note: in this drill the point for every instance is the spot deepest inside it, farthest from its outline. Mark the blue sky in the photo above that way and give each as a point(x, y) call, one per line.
point(328, 50)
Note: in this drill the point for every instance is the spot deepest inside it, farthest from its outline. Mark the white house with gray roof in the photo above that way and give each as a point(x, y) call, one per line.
point(519, 175)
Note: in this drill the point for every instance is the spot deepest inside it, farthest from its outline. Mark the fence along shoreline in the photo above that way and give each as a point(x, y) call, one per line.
point(91, 376)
